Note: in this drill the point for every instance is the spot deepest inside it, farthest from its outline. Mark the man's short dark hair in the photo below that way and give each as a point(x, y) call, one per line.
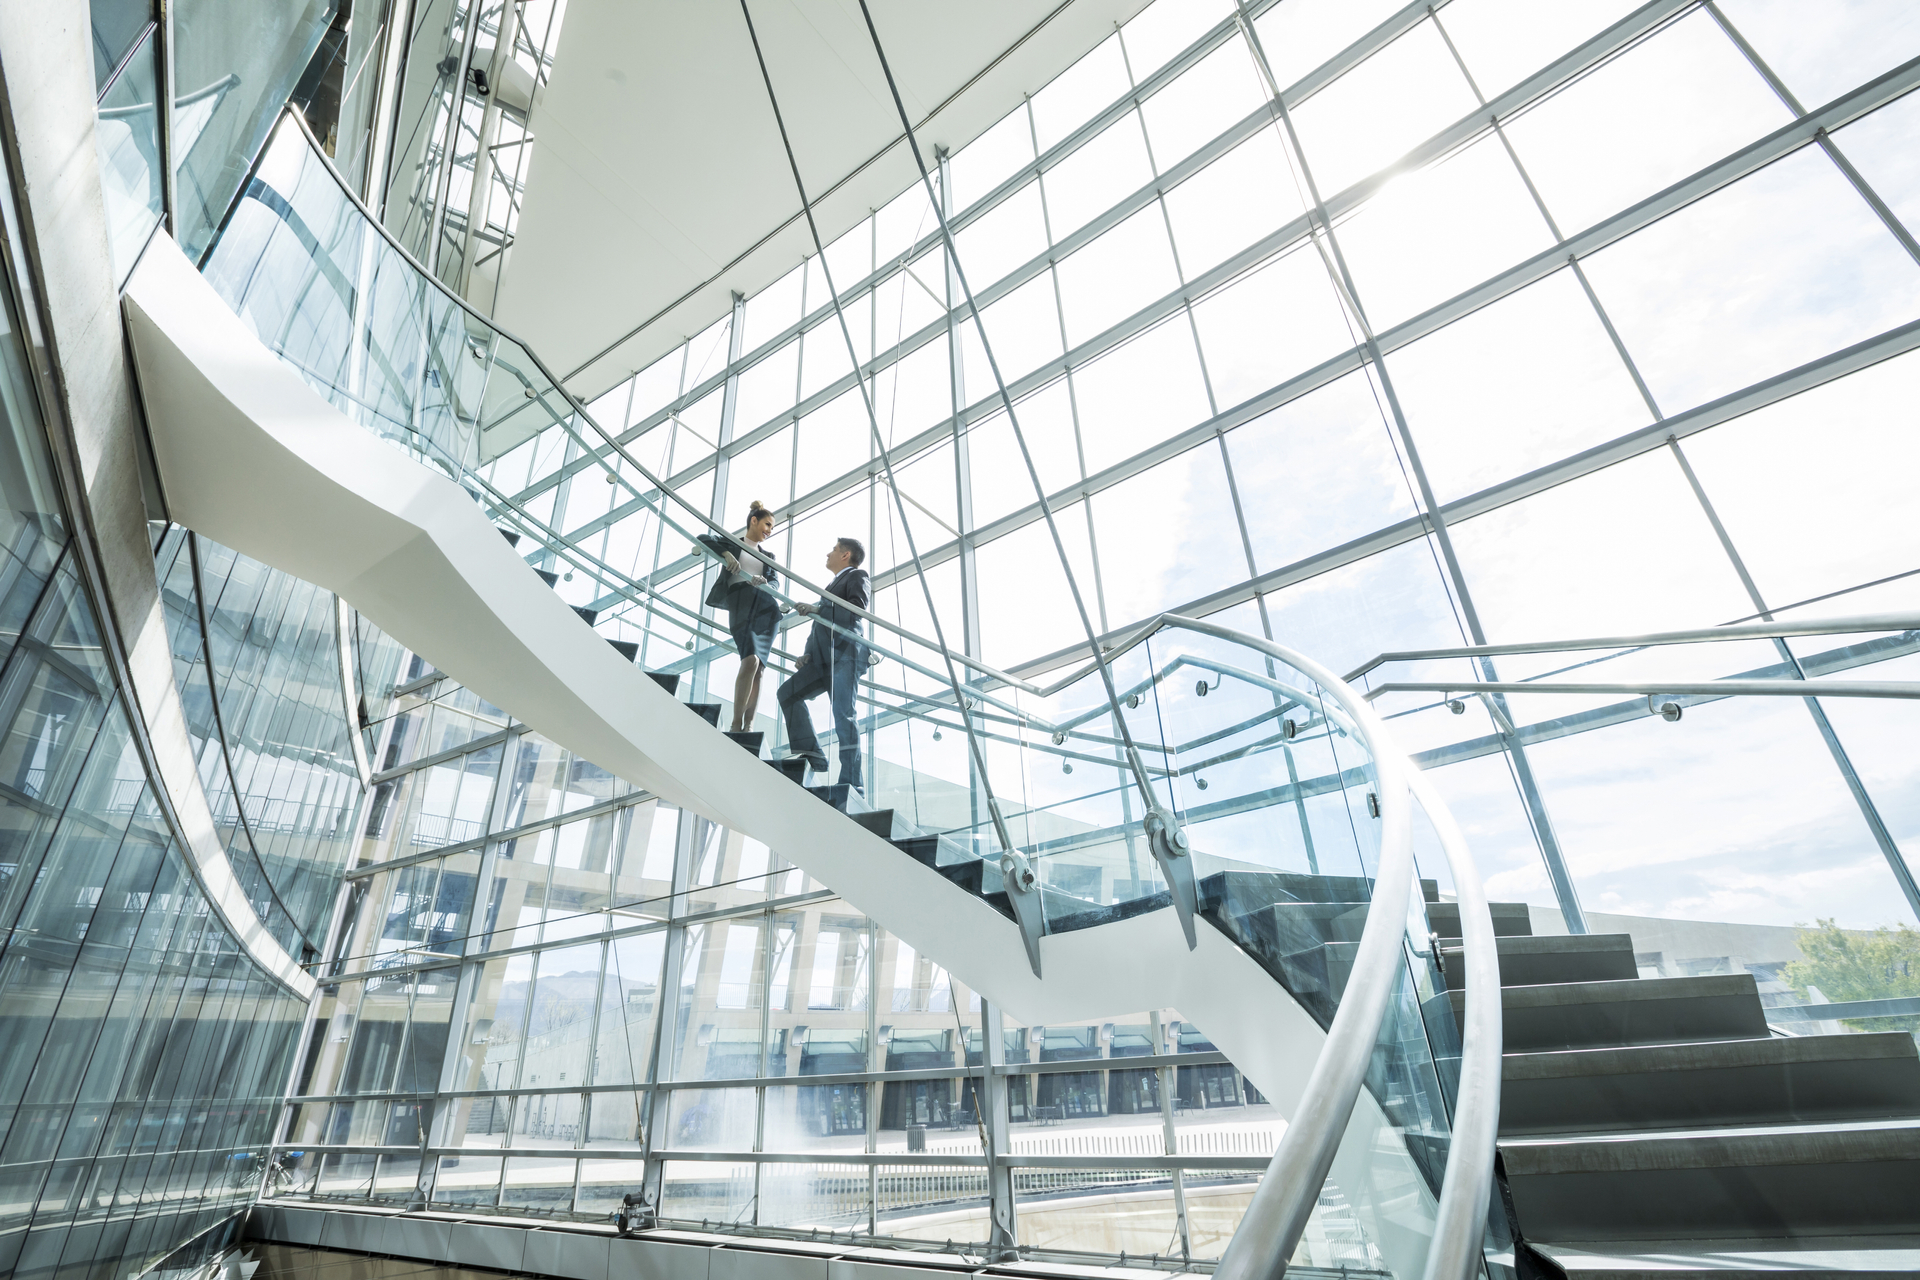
point(854, 549)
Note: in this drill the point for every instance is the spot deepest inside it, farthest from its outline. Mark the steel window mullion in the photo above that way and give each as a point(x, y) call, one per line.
point(1714, 177)
point(1621, 35)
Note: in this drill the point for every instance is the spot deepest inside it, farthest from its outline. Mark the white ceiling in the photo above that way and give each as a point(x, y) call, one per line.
point(658, 186)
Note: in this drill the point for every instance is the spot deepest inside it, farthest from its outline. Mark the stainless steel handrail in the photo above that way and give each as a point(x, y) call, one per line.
point(1675, 688)
point(1285, 1198)
point(1697, 635)
point(660, 488)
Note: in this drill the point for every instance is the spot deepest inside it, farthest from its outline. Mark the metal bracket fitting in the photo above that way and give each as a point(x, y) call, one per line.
point(1169, 844)
point(1023, 894)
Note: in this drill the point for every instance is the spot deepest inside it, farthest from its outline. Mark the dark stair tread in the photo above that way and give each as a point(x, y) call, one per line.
point(708, 711)
point(551, 579)
point(878, 821)
point(750, 740)
point(922, 849)
point(588, 616)
point(513, 539)
point(1841, 1182)
point(668, 680)
point(1510, 919)
point(842, 796)
point(1638, 1011)
point(793, 767)
point(1430, 890)
point(1779, 1080)
point(1535, 960)
point(628, 649)
point(1098, 915)
point(1224, 889)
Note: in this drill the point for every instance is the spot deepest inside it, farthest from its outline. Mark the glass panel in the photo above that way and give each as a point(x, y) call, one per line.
point(1139, 394)
point(235, 64)
point(805, 1196)
point(933, 1202)
point(1315, 473)
point(1607, 140)
point(1116, 275)
point(560, 1021)
point(1809, 521)
point(1823, 52)
point(1244, 195)
point(1073, 96)
point(1522, 383)
point(1199, 106)
point(706, 1190)
point(1098, 175)
point(720, 979)
point(628, 1008)
point(1504, 41)
point(539, 1183)
point(1432, 234)
point(1302, 34)
point(128, 139)
point(1097, 1210)
point(1876, 146)
point(1377, 112)
point(711, 1120)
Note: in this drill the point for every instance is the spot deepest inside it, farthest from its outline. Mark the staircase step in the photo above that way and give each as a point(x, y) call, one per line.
point(588, 616)
point(1430, 890)
point(513, 539)
point(922, 849)
point(1510, 919)
point(845, 798)
point(708, 711)
point(999, 901)
point(1237, 892)
point(1533, 961)
point(794, 767)
point(1095, 915)
point(1746, 1258)
point(1776, 1081)
point(551, 579)
point(1844, 1181)
point(668, 680)
point(751, 741)
point(879, 821)
point(1606, 1015)
point(628, 649)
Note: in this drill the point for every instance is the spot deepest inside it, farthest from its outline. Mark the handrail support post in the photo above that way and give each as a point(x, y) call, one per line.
point(1172, 850)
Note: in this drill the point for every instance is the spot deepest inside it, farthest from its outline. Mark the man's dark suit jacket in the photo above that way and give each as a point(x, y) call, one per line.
point(823, 644)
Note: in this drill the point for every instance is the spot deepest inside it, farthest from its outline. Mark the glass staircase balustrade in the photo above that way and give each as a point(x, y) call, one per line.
point(1274, 789)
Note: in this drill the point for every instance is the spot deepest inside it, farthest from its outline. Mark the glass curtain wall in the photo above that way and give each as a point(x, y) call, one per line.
point(1374, 327)
point(268, 720)
point(550, 987)
point(146, 1053)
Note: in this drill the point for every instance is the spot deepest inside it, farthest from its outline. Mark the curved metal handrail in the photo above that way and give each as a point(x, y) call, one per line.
point(660, 489)
point(1285, 1198)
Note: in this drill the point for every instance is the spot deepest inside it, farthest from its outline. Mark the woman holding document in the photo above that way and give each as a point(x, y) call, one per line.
point(753, 613)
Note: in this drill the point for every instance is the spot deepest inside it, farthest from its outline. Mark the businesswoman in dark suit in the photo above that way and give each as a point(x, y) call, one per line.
point(753, 614)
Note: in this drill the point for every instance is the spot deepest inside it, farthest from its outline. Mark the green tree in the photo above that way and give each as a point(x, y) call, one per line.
point(1852, 964)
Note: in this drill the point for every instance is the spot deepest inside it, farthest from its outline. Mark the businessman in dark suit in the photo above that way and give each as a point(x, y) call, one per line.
point(831, 664)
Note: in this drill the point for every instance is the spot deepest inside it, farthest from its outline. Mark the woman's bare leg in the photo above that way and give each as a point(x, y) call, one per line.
point(753, 696)
point(746, 693)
